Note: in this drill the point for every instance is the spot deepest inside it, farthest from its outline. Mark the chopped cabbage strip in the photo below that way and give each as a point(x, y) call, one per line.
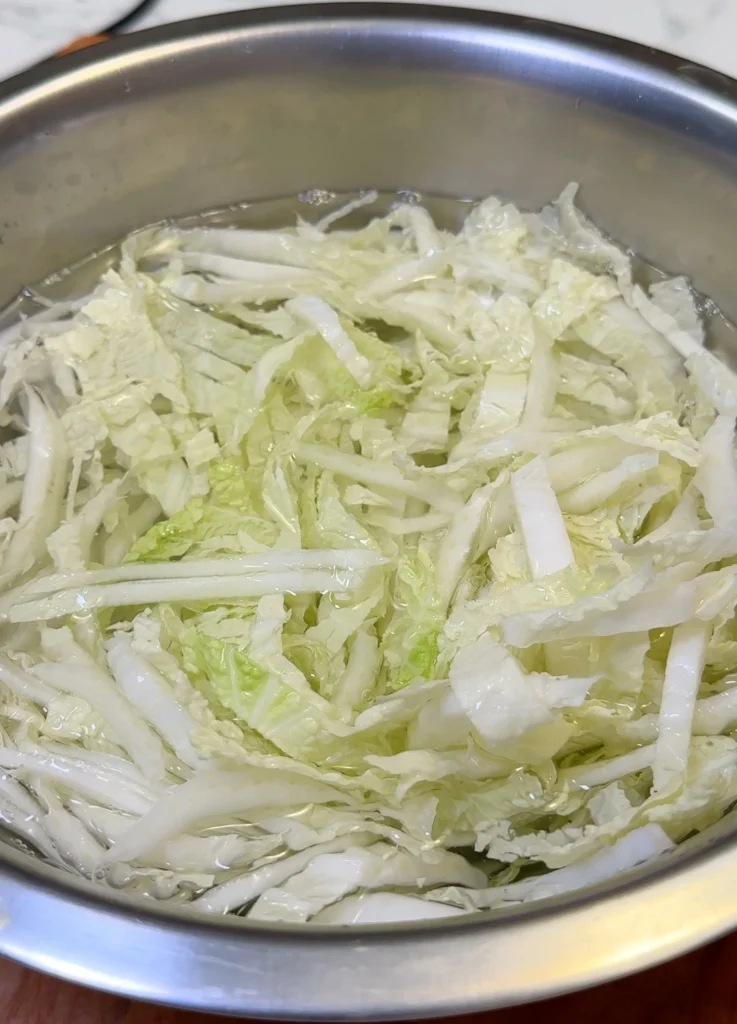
point(243, 890)
point(358, 574)
point(191, 588)
point(541, 520)
point(635, 848)
point(683, 671)
point(330, 876)
point(382, 908)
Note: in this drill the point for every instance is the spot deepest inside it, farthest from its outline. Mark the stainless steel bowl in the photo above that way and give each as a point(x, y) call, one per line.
point(444, 101)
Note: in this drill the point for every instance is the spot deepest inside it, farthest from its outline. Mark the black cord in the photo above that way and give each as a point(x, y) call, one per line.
point(128, 19)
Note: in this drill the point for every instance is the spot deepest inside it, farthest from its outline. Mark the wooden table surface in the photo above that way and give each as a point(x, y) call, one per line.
point(697, 989)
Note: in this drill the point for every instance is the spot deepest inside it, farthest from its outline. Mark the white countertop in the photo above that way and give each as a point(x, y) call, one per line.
point(701, 30)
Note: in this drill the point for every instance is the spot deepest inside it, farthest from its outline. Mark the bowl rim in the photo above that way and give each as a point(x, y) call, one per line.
point(131, 947)
point(346, 11)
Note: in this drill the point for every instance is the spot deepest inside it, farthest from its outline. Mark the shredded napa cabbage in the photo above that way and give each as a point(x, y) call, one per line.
point(361, 575)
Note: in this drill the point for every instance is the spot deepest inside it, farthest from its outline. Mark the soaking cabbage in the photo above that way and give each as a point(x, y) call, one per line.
point(363, 575)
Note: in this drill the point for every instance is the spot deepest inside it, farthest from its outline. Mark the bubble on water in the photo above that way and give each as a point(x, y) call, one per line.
point(316, 197)
point(406, 195)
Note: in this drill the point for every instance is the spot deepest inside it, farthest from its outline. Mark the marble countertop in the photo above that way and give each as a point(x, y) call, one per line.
point(701, 30)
